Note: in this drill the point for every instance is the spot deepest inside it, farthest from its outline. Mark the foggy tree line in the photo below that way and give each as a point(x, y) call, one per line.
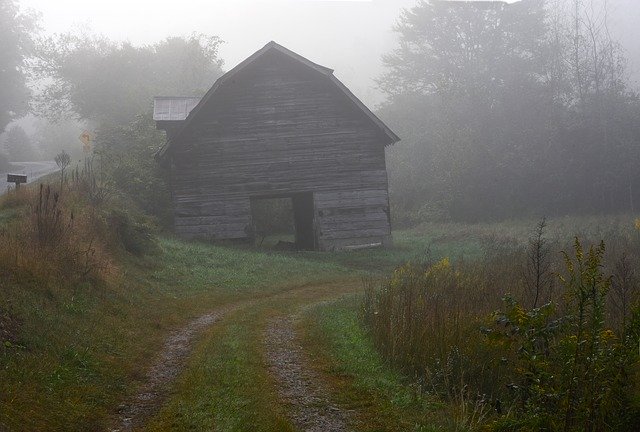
point(503, 110)
point(83, 79)
point(16, 45)
point(111, 85)
point(510, 110)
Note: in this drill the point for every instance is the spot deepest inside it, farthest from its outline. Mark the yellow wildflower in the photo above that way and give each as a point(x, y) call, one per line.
point(608, 335)
point(442, 266)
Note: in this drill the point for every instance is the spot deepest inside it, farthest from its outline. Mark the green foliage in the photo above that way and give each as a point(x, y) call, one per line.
point(126, 159)
point(569, 371)
point(137, 237)
point(596, 362)
point(112, 84)
point(425, 320)
point(559, 366)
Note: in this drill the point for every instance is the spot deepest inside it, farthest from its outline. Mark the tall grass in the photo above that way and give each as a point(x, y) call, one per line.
point(55, 237)
point(71, 230)
point(522, 339)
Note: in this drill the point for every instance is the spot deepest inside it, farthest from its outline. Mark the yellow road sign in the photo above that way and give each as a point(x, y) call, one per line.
point(85, 138)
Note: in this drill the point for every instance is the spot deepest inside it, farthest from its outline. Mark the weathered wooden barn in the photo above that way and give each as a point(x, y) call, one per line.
point(275, 126)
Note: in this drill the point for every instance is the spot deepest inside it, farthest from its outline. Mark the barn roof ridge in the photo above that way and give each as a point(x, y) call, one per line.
point(393, 138)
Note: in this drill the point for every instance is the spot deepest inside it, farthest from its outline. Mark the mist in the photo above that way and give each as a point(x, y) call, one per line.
point(320, 215)
point(350, 36)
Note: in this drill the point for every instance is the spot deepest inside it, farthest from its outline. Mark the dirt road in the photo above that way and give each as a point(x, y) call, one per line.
point(303, 396)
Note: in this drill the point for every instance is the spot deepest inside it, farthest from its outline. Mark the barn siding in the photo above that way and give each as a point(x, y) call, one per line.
point(351, 218)
point(277, 129)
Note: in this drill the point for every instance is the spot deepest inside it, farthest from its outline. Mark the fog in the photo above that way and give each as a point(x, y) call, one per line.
point(456, 247)
point(452, 145)
point(349, 36)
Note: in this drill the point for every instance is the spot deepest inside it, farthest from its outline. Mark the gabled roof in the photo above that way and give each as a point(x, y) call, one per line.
point(392, 137)
point(171, 108)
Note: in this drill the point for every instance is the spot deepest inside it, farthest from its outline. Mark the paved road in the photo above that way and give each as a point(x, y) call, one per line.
point(33, 170)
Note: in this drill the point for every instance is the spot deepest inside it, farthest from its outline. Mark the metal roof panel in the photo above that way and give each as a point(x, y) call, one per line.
point(168, 108)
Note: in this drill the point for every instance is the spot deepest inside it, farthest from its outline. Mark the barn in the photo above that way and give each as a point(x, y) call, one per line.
point(277, 126)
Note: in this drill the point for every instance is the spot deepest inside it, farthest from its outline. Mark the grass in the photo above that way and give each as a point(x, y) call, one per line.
point(224, 387)
point(80, 349)
point(383, 399)
point(227, 385)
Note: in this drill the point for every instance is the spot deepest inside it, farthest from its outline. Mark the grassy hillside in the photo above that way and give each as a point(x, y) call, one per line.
point(72, 351)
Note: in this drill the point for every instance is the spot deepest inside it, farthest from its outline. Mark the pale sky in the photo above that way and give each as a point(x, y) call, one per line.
point(348, 36)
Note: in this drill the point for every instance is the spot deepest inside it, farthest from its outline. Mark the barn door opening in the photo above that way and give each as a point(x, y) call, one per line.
point(284, 222)
point(303, 221)
point(273, 222)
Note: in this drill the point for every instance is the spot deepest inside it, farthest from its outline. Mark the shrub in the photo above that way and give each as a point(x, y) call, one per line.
point(136, 237)
point(425, 320)
point(568, 360)
point(569, 371)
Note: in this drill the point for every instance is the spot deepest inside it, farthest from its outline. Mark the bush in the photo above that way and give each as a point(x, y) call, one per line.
point(136, 237)
point(549, 359)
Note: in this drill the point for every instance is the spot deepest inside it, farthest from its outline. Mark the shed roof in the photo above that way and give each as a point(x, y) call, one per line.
point(171, 108)
point(391, 137)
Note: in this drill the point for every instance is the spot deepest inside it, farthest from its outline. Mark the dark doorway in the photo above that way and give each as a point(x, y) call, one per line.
point(303, 221)
point(284, 222)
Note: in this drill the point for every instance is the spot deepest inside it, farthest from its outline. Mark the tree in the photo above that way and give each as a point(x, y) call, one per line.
point(63, 160)
point(112, 85)
point(125, 153)
point(16, 32)
point(509, 110)
point(464, 91)
point(53, 137)
point(464, 48)
point(93, 78)
point(18, 145)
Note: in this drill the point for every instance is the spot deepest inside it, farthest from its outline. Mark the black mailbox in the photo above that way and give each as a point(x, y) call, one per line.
point(16, 178)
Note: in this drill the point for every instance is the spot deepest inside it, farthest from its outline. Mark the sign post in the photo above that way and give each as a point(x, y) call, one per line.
point(85, 138)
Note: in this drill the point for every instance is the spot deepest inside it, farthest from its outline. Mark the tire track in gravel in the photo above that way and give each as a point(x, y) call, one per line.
point(164, 370)
point(171, 361)
point(298, 385)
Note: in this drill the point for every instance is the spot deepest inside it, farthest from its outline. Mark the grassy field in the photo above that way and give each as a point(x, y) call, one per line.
point(72, 354)
point(76, 349)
